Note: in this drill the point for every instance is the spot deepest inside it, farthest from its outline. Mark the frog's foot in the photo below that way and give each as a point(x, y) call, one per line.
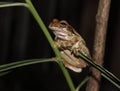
point(75, 48)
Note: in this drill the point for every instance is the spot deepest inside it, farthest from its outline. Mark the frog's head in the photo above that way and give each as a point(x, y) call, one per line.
point(62, 29)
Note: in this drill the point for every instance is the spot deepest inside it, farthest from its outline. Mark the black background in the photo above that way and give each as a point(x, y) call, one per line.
point(21, 38)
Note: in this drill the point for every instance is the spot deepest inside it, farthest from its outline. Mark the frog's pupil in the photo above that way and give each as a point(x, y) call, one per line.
point(63, 23)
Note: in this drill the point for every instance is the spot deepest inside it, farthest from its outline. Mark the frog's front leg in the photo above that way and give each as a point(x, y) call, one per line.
point(80, 46)
point(62, 45)
point(75, 48)
point(57, 44)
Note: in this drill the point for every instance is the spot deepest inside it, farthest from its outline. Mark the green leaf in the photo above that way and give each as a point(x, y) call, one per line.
point(51, 42)
point(12, 4)
point(82, 83)
point(105, 73)
point(13, 65)
point(4, 73)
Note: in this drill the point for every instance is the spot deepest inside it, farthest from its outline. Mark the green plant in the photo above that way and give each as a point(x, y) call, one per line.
point(6, 68)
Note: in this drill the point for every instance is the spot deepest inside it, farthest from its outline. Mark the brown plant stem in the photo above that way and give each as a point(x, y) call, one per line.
point(99, 43)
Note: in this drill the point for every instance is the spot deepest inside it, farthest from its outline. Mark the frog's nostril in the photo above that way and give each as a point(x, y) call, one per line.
point(55, 20)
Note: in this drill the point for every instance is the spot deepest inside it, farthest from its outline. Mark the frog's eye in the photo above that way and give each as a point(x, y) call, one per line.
point(64, 23)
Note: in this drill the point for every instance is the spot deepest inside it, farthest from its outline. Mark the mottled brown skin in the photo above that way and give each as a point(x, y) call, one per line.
point(67, 36)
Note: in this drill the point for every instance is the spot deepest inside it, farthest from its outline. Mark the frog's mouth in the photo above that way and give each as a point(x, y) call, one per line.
point(59, 33)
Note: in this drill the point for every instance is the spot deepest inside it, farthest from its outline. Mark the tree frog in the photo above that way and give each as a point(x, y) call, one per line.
point(66, 36)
